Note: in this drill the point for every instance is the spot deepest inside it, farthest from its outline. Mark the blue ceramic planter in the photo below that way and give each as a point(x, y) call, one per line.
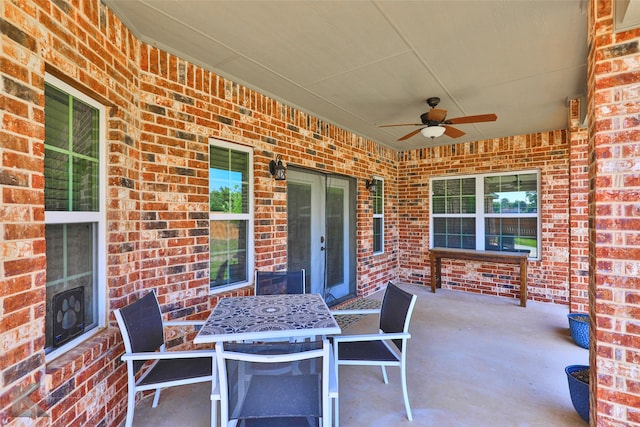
point(579, 391)
point(579, 328)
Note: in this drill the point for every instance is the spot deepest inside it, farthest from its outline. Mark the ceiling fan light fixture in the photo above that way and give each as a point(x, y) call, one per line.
point(432, 131)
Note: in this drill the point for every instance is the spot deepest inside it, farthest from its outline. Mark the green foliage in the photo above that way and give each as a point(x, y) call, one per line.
point(526, 241)
point(532, 198)
point(226, 200)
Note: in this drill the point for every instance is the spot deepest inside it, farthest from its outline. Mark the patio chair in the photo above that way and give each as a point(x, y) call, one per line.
point(142, 331)
point(386, 348)
point(280, 282)
point(299, 397)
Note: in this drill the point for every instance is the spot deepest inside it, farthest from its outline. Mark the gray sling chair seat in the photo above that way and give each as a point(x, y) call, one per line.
point(142, 331)
point(297, 397)
point(388, 347)
point(280, 282)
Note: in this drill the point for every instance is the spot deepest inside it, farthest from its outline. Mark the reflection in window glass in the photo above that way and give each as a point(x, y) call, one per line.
point(228, 252)
point(452, 201)
point(378, 217)
point(56, 117)
point(335, 227)
point(71, 250)
point(454, 233)
point(512, 234)
point(454, 196)
point(85, 184)
point(71, 153)
point(57, 182)
point(228, 181)
point(230, 222)
point(511, 194)
point(377, 234)
point(438, 188)
point(85, 129)
point(73, 222)
point(437, 205)
point(509, 212)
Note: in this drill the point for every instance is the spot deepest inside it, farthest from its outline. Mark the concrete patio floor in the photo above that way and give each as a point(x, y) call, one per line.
point(473, 360)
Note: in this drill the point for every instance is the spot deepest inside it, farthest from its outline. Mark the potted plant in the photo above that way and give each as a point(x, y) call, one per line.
point(578, 378)
point(579, 328)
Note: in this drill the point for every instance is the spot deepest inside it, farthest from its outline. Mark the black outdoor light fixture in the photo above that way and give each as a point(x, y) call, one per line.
point(371, 185)
point(278, 171)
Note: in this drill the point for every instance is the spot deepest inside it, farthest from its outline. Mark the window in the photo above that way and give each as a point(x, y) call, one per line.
point(378, 216)
point(498, 212)
point(231, 214)
point(74, 216)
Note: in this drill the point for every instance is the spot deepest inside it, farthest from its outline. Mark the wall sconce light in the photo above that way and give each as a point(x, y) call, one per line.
point(371, 185)
point(278, 171)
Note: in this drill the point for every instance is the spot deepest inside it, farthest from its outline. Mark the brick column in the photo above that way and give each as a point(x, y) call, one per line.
point(22, 245)
point(578, 211)
point(614, 214)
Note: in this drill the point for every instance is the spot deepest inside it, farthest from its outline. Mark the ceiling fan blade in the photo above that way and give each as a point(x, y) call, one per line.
point(452, 132)
point(473, 119)
point(437, 114)
point(403, 124)
point(410, 134)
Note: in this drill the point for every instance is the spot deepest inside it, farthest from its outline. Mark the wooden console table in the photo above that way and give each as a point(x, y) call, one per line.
point(436, 255)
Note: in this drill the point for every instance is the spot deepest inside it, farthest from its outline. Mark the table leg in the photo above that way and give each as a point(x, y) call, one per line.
point(435, 271)
point(523, 282)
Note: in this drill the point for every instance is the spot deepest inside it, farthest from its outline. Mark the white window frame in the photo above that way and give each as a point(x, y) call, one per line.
point(99, 218)
point(480, 214)
point(379, 215)
point(249, 217)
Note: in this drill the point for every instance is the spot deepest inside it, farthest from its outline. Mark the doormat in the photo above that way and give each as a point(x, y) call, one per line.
point(359, 304)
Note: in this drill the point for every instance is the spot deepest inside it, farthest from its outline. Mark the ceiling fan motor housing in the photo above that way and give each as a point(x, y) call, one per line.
point(424, 118)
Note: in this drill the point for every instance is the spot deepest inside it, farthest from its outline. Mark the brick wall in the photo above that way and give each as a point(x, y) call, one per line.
point(182, 106)
point(162, 111)
point(614, 155)
point(578, 211)
point(91, 50)
point(548, 279)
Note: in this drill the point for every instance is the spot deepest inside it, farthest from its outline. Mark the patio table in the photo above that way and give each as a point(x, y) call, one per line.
point(264, 317)
point(269, 317)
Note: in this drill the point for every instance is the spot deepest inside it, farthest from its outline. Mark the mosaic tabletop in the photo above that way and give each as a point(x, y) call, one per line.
point(268, 316)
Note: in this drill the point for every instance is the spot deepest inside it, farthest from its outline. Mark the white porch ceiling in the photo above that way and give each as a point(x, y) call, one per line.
point(360, 64)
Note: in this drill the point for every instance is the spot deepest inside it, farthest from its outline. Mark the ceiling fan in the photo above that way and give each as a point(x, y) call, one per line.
point(434, 122)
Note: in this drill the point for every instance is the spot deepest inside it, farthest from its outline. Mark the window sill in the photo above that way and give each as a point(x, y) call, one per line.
point(67, 365)
point(234, 289)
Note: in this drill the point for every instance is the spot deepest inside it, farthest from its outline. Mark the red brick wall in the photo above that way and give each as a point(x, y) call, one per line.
point(181, 107)
point(614, 154)
point(578, 211)
point(85, 46)
point(548, 279)
point(161, 112)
